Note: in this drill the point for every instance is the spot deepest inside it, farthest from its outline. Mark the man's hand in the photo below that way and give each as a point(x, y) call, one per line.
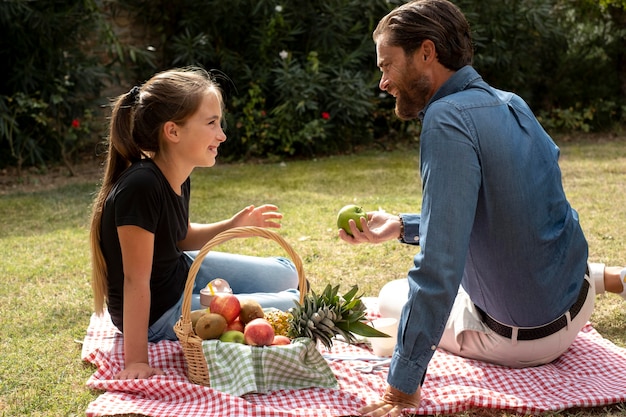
point(392, 404)
point(379, 227)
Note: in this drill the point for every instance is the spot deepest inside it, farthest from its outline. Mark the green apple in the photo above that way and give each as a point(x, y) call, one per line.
point(351, 211)
point(234, 336)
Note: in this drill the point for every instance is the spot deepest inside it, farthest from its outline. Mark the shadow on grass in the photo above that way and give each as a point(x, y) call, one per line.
point(37, 212)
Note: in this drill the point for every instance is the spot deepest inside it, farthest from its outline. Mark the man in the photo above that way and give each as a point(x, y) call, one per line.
point(502, 274)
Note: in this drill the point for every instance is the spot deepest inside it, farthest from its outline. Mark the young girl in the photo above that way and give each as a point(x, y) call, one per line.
point(141, 239)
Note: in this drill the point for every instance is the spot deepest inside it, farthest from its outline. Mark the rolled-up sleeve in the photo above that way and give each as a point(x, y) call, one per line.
point(411, 223)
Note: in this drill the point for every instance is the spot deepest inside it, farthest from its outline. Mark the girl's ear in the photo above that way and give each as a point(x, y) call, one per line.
point(170, 132)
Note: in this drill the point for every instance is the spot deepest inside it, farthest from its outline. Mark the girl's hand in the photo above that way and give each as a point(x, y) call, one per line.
point(139, 371)
point(262, 216)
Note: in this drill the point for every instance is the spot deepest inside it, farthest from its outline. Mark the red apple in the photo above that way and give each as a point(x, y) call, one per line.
point(259, 332)
point(226, 305)
point(235, 325)
point(280, 339)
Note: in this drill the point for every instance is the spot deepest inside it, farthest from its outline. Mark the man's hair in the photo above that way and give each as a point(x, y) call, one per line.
point(440, 21)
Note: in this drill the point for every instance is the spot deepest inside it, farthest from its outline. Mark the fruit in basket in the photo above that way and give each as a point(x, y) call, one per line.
point(227, 305)
point(233, 336)
point(259, 332)
point(322, 317)
point(250, 310)
point(210, 326)
point(279, 321)
point(195, 315)
point(280, 340)
point(351, 211)
point(235, 325)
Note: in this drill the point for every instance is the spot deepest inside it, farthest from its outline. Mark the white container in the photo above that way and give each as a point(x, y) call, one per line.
point(215, 287)
point(384, 346)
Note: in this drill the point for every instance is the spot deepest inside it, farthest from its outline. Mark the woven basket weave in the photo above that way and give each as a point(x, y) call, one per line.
point(197, 369)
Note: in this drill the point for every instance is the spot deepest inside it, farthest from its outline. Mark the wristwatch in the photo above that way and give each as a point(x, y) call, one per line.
point(401, 237)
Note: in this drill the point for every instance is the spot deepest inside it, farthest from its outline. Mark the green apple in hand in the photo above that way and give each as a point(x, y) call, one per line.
point(233, 336)
point(351, 211)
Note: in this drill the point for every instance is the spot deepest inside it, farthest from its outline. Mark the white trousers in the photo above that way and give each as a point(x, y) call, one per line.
point(466, 335)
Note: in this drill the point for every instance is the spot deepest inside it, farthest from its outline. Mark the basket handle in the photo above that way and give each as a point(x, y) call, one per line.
point(239, 232)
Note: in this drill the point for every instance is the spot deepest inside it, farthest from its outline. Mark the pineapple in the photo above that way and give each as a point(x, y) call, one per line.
point(279, 321)
point(322, 317)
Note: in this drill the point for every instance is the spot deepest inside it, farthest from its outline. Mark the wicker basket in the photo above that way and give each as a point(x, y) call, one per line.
point(197, 369)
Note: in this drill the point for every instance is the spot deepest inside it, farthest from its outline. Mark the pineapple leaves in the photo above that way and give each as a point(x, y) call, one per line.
point(324, 316)
point(361, 329)
point(350, 294)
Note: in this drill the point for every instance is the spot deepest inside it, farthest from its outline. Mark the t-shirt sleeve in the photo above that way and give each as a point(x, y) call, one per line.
point(138, 201)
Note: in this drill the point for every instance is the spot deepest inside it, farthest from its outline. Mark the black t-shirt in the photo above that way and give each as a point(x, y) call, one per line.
point(142, 197)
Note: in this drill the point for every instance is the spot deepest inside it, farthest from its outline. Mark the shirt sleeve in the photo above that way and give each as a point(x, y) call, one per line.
point(411, 223)
point(451, 178)
point(138, 201)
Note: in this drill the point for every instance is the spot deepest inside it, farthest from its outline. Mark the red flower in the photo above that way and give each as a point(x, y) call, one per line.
point(325, 115)
point(75, 123)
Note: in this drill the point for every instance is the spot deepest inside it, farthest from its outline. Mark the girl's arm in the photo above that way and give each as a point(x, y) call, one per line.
point(137, 251)
point(199, 234)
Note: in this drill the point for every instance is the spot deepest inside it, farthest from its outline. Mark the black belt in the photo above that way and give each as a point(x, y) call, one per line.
point(538, 332)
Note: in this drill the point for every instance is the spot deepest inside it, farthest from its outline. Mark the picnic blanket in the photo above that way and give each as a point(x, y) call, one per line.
point(590, 374)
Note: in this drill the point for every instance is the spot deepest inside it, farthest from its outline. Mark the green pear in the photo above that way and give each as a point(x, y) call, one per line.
point(233, 336)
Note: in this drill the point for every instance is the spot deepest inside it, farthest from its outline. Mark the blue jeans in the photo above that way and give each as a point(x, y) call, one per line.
point(272, 281)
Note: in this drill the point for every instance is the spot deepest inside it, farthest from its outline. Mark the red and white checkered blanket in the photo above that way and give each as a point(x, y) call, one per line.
point(590, 374)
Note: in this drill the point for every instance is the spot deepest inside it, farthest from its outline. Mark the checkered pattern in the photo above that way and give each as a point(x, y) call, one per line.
point(239, 369)
point(590, 374)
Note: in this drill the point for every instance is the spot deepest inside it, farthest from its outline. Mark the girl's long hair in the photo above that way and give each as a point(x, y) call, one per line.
point(135, 129)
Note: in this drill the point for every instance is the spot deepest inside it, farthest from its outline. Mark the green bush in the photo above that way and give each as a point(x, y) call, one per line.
point(565, 57)
point(52, 79)
point(303, 74)
point(59, 56)
point(293, 61)
point(300, 75)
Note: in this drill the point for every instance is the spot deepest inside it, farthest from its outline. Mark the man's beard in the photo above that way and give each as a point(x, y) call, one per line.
point(411, 101)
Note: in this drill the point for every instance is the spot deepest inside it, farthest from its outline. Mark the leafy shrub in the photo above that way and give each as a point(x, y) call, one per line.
point(301, 75)
point(52, 79)
point(60, 56)
point(304, 79)
point(565, 57)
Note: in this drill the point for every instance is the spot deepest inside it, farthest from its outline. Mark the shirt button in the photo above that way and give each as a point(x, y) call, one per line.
point(433, 347)
point(416, 238)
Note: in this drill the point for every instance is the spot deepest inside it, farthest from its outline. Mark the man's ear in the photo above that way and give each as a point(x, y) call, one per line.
point(427, 51)
point(170, 132)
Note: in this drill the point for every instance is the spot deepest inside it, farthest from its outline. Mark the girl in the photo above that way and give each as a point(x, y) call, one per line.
point(142, 242)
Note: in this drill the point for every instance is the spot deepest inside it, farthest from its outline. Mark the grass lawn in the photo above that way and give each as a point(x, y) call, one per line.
point(45, 293)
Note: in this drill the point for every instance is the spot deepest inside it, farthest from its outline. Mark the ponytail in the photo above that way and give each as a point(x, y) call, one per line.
point(122, 151)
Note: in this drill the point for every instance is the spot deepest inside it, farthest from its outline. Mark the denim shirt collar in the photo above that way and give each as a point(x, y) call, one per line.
point(459, 81)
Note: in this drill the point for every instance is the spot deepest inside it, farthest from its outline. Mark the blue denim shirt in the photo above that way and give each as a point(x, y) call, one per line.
point(494, 219)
